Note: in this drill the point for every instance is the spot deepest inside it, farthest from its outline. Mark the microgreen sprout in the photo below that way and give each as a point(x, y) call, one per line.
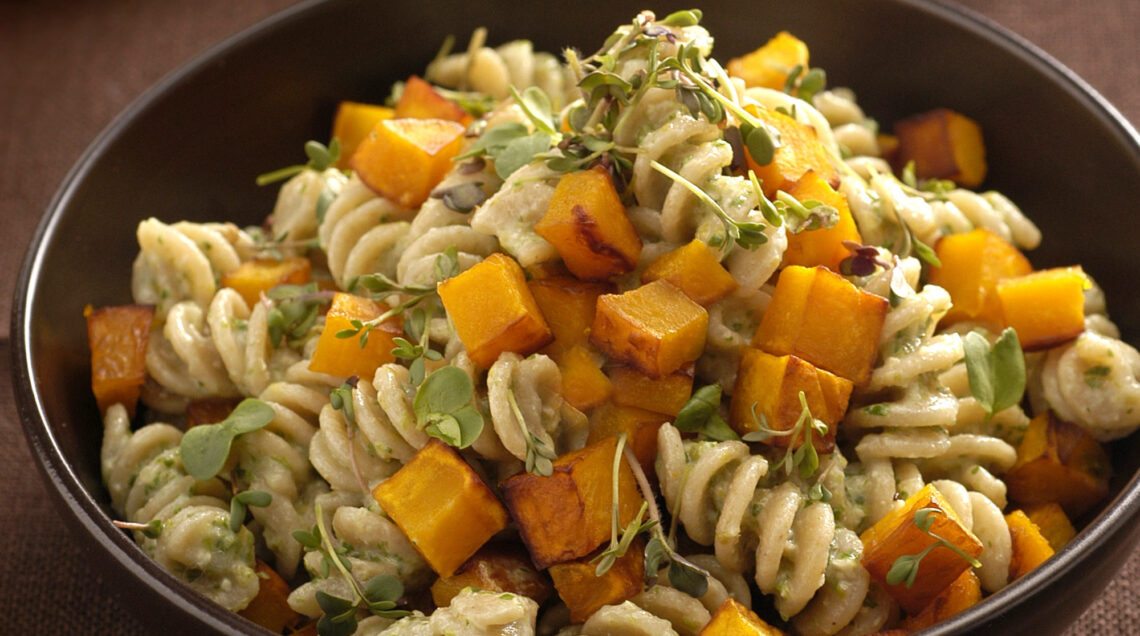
point(340, 399)
point(539, 454)
point(150, 530)
point(206, 447)
point(701, 415)
point(904, 570)
point(293, 311)
point(619, 543)
point(321, 158)
point(241, 500)
point(863, 260)
point(747, 234)
point(443, 407)
point(417, 350)
point(805, 83)
point(804, 457)
point(380, 286)
point(996, 374)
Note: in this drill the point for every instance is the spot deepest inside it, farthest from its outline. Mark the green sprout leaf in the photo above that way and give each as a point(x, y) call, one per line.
point(701, 414)
point(206, 447)
point(996, 374)
point(443, 407)
point(689, 17)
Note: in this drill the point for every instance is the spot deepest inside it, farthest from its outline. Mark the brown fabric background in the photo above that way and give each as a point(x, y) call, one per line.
point(67, 67)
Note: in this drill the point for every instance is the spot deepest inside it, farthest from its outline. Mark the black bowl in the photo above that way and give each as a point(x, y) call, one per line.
point(190, 147)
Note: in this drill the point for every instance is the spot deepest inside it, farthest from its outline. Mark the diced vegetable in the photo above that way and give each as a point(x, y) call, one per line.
point(584, 592)
point(584, 385)
point(118, 338)
point(695, 270)
point(442, 506)
point(270, 608)
point(961, 595)
point(1054, 524)
point(665, 395)
point(493, 310)
point(568, 305)
point(252, 278)
point(819, 316)
point(566, 515)
point(1059, 462)
point(799, 151)
point(770, 386)
point(209, 410)
point(897, 535)
point(352, 123)
point(404, 159)
point(734, 619)
point(639, 425)
point(822, 246)
point(1030, 548)
point(587, 224)
point(499, 567)
point(344, 357)
point(420, 100)
point(943, 144)
point(655, 328)
point(769, 65)
point(1046, 308)
point(972, 265)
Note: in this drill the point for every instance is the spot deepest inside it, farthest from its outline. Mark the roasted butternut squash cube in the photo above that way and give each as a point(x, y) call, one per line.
point(964, 593)
point(420, 100)
point(734, 619)
point(639, 426)
point(897, 535)
point(584, 592)
point(566, 515)
point(819, 316)
point(799, 151)
point(655, 328)
point(943, 144)
point(665, 395)
point(442, 506)
point(352, 123)
point(695, 270)
point(118, 337)
point(972, 265)
point(823, 246)
point(587, 224)
point(1054, 524)
point(499, 567)
point(1059, 462)
point(270, 608)
point(493, 310)
point(252, 278)
point(584, 385)
point(769, 65)
point(770, 386)
point(345, 357)
point(404, 159)
point(1029, 547)
point(568, 305)
point(1046, 308)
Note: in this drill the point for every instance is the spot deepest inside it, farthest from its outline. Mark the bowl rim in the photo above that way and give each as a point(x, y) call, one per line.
point(81, 505)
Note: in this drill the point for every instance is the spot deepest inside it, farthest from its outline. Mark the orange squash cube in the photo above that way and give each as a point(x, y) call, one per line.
point(584, 592)
point(972, 265)
point(1054, 524)
point(587, 224)
point(896, 535)
point(769, 65)
point(823, 246)
point(1059, 462)
point(352, 123)
point(500, 567)
point(404, 159)
point(665, 395)
point(118, 337)
point(1046, 308)
point(1030, 548)
point(799, 151)
point(568, 305)
point(694, 269)
point(770, 386)
point(734, 619)
point(344, 357)
point(442, 506)
point(639, 426)
point(819, 316)
point(584, 385)
point(964, 593)
point(493, 310)
point(252, 278)
point(943, 144)
point(655, 328)
point(420, 100)
point(566, 515)
point(270, 608)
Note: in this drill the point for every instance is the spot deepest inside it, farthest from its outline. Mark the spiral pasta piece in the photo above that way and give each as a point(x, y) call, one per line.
point(183, 261)
point(293, 221)
point(531, 388)
point(1094, 382)
point(494, 71)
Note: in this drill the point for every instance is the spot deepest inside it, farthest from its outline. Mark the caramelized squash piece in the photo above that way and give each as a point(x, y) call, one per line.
point(1054, 524)
point(499, 567)
point(769, 65)
point(270, 608)
point(734, 619)
point(655, 328)
point(118, 338)
point(896, 535)
point(404, 159)
point(799, 151)
point(1059, 462)
point(584, 592)
point(587, 224)
point(972, 265)
point(1046, 308)
point(352, 123)
point(566, 515)
point(823, 246)
point(770, 386)
point(964, 593)
point(665, 395)
point(639, 426)
point(493, 310)
point(1029, 547)
point(584, 385)
point(943, 144)
point(344, 357)
point(420, 100)
point(442, 506)
point(695, 270)
point(568, 305)
point(253, 278)
point(819, 316)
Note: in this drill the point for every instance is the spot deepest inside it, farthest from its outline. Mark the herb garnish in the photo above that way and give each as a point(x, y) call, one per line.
point(905, 568)
point(701, 415)
point(443, 407)
point(417, 350)
point(321, 158)
point(804, 457)
point(620, 545)
point(997, 374)
point(206, 447)
point(294, 310)
point(539, 454)
point(238, 504)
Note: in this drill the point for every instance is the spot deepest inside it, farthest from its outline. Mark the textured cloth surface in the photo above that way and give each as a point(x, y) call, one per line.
point(69, 66)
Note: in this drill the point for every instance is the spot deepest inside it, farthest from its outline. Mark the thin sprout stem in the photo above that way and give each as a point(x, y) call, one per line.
point(614, 504)
point(334, 557)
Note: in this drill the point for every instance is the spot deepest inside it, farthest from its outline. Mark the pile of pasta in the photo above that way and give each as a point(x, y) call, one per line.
point(628, 343)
